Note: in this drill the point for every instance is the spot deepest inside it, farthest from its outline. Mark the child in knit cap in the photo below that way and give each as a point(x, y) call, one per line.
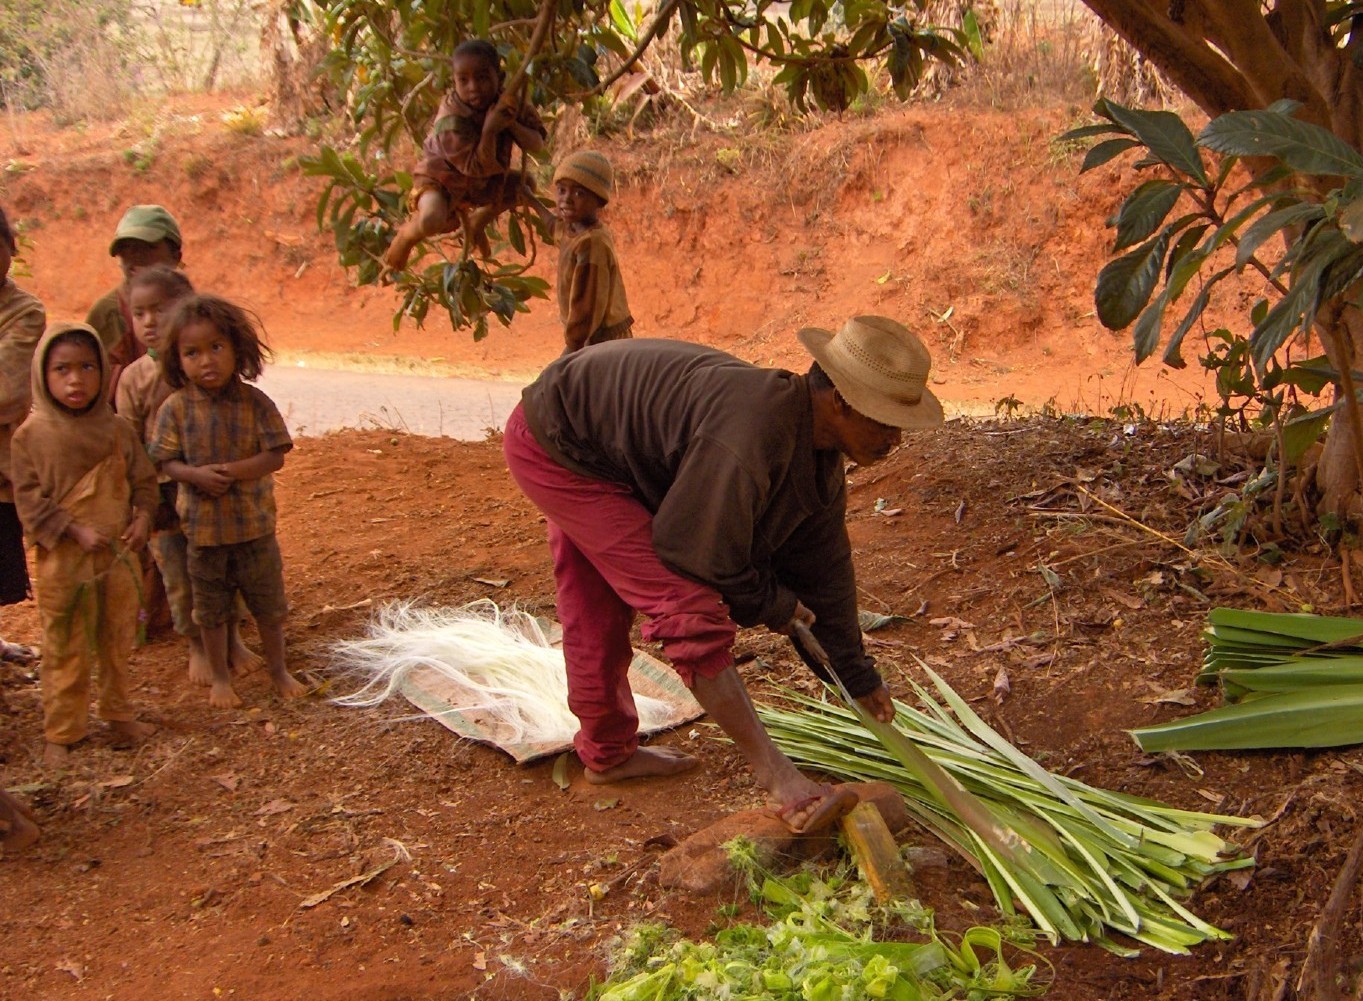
point(591, 290)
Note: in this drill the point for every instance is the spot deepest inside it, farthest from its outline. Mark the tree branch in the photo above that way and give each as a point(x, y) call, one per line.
point(1242, 32)
point(645, 40)
point(537, 38)
point(1179, 51)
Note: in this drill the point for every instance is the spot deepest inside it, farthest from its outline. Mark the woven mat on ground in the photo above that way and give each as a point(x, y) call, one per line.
point(431, 692)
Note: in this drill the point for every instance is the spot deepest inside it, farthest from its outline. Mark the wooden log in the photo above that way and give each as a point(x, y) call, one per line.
point(877, 855)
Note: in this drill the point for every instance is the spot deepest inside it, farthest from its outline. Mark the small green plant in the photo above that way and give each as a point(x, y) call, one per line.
point(1008, 406)
point(196, 165)
point(244, 121)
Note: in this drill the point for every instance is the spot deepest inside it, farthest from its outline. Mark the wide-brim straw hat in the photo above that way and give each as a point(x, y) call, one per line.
point(881, 369)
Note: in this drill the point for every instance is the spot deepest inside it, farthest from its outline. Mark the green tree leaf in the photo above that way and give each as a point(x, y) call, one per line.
point(1144, 211)
point(1163, 132)
point(1125, 284)
point(1300, 145)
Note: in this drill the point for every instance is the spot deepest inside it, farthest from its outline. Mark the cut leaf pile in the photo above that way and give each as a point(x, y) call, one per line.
point(1288, 681)
point(1083, 862)
point(821, 945)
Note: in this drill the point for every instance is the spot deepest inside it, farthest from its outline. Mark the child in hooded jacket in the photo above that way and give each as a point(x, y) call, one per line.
point(85, 493)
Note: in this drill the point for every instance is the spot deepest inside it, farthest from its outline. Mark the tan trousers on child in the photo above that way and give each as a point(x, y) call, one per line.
point(87, 603)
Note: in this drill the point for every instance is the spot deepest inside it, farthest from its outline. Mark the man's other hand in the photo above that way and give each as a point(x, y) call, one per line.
point(879, 704)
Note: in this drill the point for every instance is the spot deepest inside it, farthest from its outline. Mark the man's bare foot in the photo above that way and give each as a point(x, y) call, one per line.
point(646, 762)
point(18, 825)
point(817, 810)
point(240, 657)
point(55, 755)
point(223, 696)
point(130, 733)
point(200, 671)
point(286, 686)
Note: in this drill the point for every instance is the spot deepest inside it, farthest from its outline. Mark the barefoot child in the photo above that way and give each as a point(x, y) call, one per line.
point(21, 325)
point(221, 439)
point(152, 295)
point(591, 292)
point(85, 493)
point(467, 156)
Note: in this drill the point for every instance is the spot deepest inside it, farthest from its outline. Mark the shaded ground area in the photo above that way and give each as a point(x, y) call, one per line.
point(178, 870)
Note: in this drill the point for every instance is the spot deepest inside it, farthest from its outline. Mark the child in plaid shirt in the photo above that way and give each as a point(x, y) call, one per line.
point(221, 440)
point(153, 293)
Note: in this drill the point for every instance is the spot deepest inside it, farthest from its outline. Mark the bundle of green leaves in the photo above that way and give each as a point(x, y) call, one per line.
point(1083, 862)
point(1289, 680)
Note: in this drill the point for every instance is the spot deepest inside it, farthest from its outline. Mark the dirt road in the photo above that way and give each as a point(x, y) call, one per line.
point(315, 401)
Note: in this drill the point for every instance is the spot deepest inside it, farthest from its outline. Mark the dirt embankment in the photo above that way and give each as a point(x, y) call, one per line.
point(973, 227)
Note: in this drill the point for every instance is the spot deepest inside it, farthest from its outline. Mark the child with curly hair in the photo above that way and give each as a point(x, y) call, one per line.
point(221, 440)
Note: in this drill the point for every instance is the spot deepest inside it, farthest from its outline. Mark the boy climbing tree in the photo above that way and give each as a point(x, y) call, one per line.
point(465, 179)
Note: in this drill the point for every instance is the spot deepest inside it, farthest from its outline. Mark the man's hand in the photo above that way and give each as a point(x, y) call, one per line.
point(879, 704)
point(801, 614)
point(92, 540)
point(213, 480)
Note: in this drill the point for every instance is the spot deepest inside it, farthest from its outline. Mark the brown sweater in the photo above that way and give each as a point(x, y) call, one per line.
point(54, 449)
point(591, 290)
point(21, 324)
point(723, 455)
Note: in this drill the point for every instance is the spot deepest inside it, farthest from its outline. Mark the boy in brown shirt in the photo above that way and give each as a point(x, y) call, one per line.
point(22, 320)
point(591, 290)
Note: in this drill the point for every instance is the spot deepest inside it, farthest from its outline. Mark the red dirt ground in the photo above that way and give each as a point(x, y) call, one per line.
point(177, 870)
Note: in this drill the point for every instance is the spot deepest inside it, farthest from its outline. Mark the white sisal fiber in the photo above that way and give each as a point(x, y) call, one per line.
point(499, 661)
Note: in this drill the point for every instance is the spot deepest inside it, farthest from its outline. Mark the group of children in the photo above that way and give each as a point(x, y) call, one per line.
point(184, 462)
point(465, 180)
point(139, 428)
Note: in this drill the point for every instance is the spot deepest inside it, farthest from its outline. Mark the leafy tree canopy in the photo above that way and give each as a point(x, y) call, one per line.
point(390, 61)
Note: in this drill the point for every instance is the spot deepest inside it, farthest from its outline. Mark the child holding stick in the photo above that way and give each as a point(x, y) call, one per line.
point(221, 440)
point(85, 493)
point(153, 293)
point(467, 157)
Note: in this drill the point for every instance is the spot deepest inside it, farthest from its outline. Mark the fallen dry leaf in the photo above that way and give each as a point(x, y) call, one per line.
point(72, 967)
point(117, 782)
point(227, 780)
point(1002, 686)
point(480, 960)
point(1176, 697)
point(274, 806)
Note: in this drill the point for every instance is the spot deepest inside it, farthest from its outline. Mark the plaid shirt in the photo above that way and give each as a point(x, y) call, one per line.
point(200, 428)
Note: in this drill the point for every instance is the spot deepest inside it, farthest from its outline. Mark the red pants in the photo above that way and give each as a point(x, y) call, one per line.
point(606, 568)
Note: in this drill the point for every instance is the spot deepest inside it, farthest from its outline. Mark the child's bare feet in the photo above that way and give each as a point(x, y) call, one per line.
point(18, 825)
point(286, 686)
point(400, 250)
point(200, 670)
point(223, 696)
point(130, 733)
point(55, 755)
point(646, 762)
point(240, 657)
